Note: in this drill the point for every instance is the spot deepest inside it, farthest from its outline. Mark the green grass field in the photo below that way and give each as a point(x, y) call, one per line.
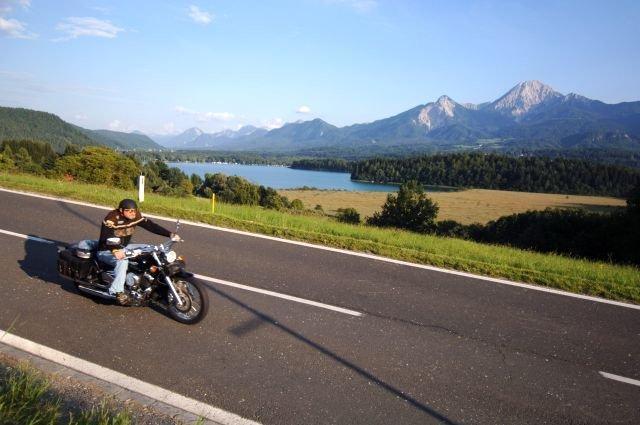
point(586, 277)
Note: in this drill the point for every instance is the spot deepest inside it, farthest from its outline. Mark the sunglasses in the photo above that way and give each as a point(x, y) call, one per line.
point(129, 210)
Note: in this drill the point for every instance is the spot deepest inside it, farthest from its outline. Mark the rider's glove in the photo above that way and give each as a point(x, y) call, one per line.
point(175, 237)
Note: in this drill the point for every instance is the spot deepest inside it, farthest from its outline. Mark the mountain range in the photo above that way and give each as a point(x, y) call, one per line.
point(529, 116)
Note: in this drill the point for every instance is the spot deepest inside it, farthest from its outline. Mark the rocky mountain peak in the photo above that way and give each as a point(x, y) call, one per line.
point(446, 104)
point(523, 97)
point(436, 114)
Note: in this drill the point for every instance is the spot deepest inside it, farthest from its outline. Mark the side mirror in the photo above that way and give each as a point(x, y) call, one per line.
point(113, 241)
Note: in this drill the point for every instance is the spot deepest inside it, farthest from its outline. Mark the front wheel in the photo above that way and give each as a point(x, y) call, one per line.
point(195, 302)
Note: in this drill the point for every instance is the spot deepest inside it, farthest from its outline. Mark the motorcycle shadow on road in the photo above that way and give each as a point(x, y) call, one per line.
point(261, 319)
point(40, 262)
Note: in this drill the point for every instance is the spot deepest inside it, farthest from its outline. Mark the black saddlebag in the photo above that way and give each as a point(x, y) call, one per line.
point(74, 267)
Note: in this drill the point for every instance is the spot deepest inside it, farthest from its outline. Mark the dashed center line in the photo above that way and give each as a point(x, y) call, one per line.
point(620, 378)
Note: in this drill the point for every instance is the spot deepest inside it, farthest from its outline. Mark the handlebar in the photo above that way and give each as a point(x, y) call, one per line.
point(164, 247)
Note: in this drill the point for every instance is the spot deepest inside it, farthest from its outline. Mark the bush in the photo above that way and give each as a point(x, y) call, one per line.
point(348, 215)
point(159, 178)
point(607, 237)
point(269, 198)
point(196, 182)
point(99, 165)
point(237, 190)
point(297, 205)
point(633, 200)
point(410, 209)
point(452, 229)
point(6, 162)
point(230, 189)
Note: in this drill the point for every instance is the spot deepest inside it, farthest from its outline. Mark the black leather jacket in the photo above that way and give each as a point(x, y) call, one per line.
point(115, 224)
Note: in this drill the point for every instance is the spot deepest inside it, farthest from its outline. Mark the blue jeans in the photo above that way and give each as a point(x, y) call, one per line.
point(120, 267)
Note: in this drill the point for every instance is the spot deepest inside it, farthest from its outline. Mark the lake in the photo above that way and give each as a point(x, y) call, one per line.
point(283, 177)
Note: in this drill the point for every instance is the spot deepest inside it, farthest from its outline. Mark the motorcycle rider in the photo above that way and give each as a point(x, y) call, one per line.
point(121, 223)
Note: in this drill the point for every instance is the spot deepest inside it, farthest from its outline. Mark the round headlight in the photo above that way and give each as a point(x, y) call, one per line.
point(171, 256)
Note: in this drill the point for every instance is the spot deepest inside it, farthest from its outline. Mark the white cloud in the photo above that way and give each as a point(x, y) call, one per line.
point(217, 116)
point(15, 29)
point(303, 110)
point(6, 6)
point(117, 125)
point(200, 16)
point(75, 27)
point(80, 117)
point(205, 116)
point(12, 27)
point(273, 123)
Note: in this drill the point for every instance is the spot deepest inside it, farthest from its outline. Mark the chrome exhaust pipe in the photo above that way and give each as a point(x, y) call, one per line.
point(101, 294)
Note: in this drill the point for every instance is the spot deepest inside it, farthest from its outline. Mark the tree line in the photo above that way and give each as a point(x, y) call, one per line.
point(253, 158)
point(323, 164)
point(490, 171)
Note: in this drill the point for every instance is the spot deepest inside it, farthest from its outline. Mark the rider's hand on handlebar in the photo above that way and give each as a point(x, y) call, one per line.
point(175, 237)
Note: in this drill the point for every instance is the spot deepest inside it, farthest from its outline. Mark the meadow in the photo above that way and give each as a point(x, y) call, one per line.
point(465, 206)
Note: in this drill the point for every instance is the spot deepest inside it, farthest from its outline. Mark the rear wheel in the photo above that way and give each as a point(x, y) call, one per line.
point(195, 301)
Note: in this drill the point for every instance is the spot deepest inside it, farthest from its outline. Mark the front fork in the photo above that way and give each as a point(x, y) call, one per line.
point(169, 282)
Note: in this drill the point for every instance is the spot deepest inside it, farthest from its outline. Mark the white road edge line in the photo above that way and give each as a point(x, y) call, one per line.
point(620, 378)
point(278, 295)
point(20, 235)
point(122, 380)
point(353, 253)
point(226, 282)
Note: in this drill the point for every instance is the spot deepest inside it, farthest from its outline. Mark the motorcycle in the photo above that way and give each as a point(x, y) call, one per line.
point(156, 276)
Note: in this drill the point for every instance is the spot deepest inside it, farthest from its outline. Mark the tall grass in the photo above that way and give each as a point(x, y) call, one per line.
point(580, 276)
point(26, 397)
point(23, 399)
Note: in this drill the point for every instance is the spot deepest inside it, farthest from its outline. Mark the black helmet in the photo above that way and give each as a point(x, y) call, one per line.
point(128, 204)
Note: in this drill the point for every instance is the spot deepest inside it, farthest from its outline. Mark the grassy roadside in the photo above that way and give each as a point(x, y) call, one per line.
point(27, 396)
point(585, 277)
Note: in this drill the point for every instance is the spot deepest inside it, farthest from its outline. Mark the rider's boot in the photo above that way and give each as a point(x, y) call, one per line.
point(122, 298)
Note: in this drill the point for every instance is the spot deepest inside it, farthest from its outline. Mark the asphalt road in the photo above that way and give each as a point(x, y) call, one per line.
point(430, 347)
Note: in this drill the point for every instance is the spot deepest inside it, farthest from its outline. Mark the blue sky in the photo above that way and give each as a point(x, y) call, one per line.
point(167, 66)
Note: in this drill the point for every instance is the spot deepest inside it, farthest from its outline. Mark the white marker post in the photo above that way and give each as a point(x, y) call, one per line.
point(141, 188)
